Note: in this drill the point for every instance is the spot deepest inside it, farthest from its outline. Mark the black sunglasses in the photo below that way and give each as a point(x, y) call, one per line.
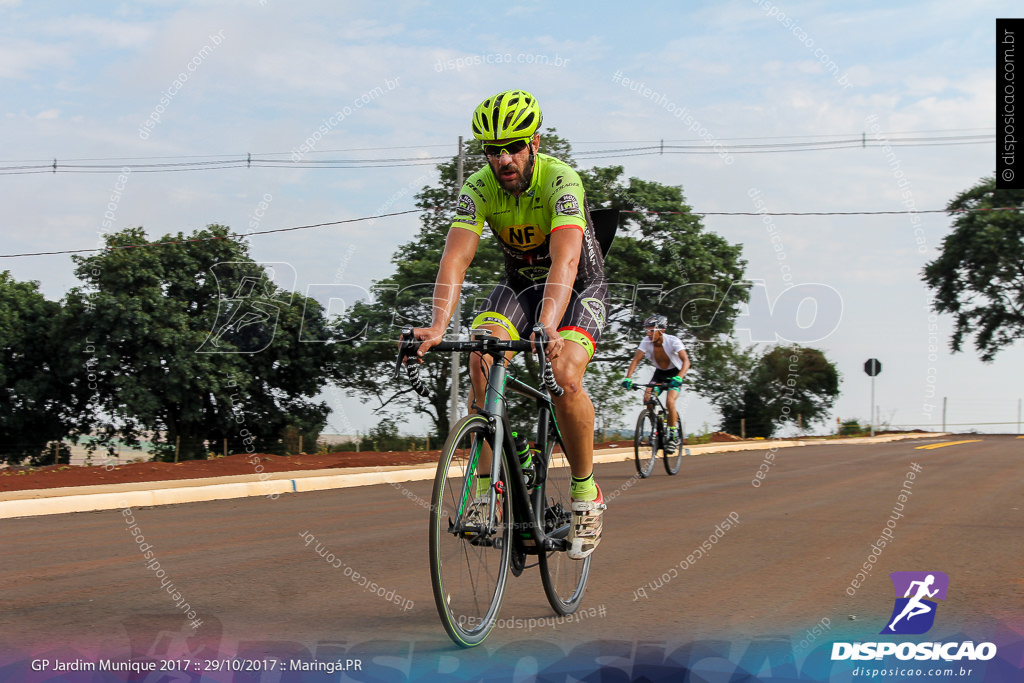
point(512, 148)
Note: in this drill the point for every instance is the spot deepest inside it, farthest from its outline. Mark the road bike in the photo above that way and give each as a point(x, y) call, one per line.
point(527, 514)
point(650, 435)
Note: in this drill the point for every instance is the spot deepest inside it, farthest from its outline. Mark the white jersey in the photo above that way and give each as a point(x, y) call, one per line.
point(671, 345)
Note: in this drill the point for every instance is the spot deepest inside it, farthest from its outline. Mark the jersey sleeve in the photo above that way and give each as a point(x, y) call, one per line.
point(468, 210)
point(566, 200)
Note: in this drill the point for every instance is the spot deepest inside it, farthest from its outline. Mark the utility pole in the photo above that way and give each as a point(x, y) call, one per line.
point(944, 398)
point(453, 397)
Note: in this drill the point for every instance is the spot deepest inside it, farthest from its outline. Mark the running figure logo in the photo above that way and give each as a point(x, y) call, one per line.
point(914, 613)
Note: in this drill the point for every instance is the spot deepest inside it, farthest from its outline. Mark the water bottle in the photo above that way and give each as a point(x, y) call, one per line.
point(525, 454)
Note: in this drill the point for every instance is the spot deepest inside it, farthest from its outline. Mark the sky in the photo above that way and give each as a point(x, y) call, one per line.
point(130, 85)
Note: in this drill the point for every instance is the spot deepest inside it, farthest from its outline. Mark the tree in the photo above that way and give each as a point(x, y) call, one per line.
point(979, 274)
point(787, 385)
point(666, 262)
point(193, 342)
point(603, 384)
point(42, 384)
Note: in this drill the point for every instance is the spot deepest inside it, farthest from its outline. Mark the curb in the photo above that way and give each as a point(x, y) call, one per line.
point(39, 502)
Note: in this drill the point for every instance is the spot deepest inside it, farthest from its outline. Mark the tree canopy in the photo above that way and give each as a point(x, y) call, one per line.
point(192, 341)
point(42, 386)
point(979, 275)
point(665, 261)
point(784, 385)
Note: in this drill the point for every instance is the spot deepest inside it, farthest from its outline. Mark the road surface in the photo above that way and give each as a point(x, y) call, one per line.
point(799, 564)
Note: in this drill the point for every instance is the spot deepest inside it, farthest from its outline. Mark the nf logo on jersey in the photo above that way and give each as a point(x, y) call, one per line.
point(523, 237)
point(914, 611)
point(567, 205)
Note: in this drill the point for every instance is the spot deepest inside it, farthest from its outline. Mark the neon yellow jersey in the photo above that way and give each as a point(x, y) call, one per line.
point(555, 200)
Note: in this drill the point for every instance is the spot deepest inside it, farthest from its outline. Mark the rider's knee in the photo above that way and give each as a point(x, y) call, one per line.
point(568, 376)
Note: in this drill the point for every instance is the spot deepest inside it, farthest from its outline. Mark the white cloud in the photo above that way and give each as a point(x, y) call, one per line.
point(19, 59)
point(100, 34)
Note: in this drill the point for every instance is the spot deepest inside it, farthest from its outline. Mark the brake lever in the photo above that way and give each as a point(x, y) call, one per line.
point(405, 344)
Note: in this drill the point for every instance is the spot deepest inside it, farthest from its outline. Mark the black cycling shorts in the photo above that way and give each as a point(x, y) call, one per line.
point(516, 311)
point(663, 376)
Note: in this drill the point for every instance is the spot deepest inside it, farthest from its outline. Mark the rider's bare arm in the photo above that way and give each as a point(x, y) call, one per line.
point(637, 357)
point(685, 357)
point(459, 249)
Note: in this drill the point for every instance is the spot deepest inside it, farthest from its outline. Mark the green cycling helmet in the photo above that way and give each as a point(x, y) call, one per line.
point(507, 115)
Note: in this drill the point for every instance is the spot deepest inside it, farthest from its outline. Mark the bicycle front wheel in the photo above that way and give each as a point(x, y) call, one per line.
point(564, 579)
point(468, 566)
point(645, 443)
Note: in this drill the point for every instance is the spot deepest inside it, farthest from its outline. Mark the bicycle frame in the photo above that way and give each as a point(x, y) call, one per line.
point(654, 404)
point(525, 510)
point(525, 504)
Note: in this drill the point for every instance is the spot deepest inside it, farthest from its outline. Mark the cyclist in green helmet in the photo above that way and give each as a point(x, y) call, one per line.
point(554, 276)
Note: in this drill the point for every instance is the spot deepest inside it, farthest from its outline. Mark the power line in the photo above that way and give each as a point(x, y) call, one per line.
point(209, 239)
point(826, 213)
point(438, 209)
point(661, 147)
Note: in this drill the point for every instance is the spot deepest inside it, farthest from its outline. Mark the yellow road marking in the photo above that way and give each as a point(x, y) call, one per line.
point(945, 443)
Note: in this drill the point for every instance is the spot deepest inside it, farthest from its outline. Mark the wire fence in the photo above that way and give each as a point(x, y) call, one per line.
point(983, 415)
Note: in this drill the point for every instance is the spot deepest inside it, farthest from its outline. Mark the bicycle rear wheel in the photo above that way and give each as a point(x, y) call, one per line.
point(468, 568)
point(673, 460)
point(565, 580)
point(645, 443)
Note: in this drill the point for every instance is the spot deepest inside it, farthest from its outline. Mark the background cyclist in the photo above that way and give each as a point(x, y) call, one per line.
point(554, 275)
point(670, 365)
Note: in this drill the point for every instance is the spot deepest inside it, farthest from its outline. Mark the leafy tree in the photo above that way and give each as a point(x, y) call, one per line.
point(851, 427)
point(665, 255)
point(787, 384)
point(663, 260)
point(41, 384)
point(979, 275)
point(191, 340)
point(666, 262)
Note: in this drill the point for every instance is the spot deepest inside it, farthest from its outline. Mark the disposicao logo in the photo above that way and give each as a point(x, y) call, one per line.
point(913, 614)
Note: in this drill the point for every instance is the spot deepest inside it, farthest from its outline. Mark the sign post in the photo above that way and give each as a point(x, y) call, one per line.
point(872, 367)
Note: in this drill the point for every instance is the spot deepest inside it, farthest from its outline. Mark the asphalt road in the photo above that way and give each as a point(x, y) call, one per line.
point(787, 569)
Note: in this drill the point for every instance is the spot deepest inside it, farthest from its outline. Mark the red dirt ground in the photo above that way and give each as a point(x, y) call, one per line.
point(60, 476)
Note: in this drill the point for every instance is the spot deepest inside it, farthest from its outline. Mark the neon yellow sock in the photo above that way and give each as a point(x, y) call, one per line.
point(584, 489)
point(483, 485)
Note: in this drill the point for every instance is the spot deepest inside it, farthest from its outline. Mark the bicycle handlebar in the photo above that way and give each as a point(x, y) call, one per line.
point(408, 345)
point(659, 387)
